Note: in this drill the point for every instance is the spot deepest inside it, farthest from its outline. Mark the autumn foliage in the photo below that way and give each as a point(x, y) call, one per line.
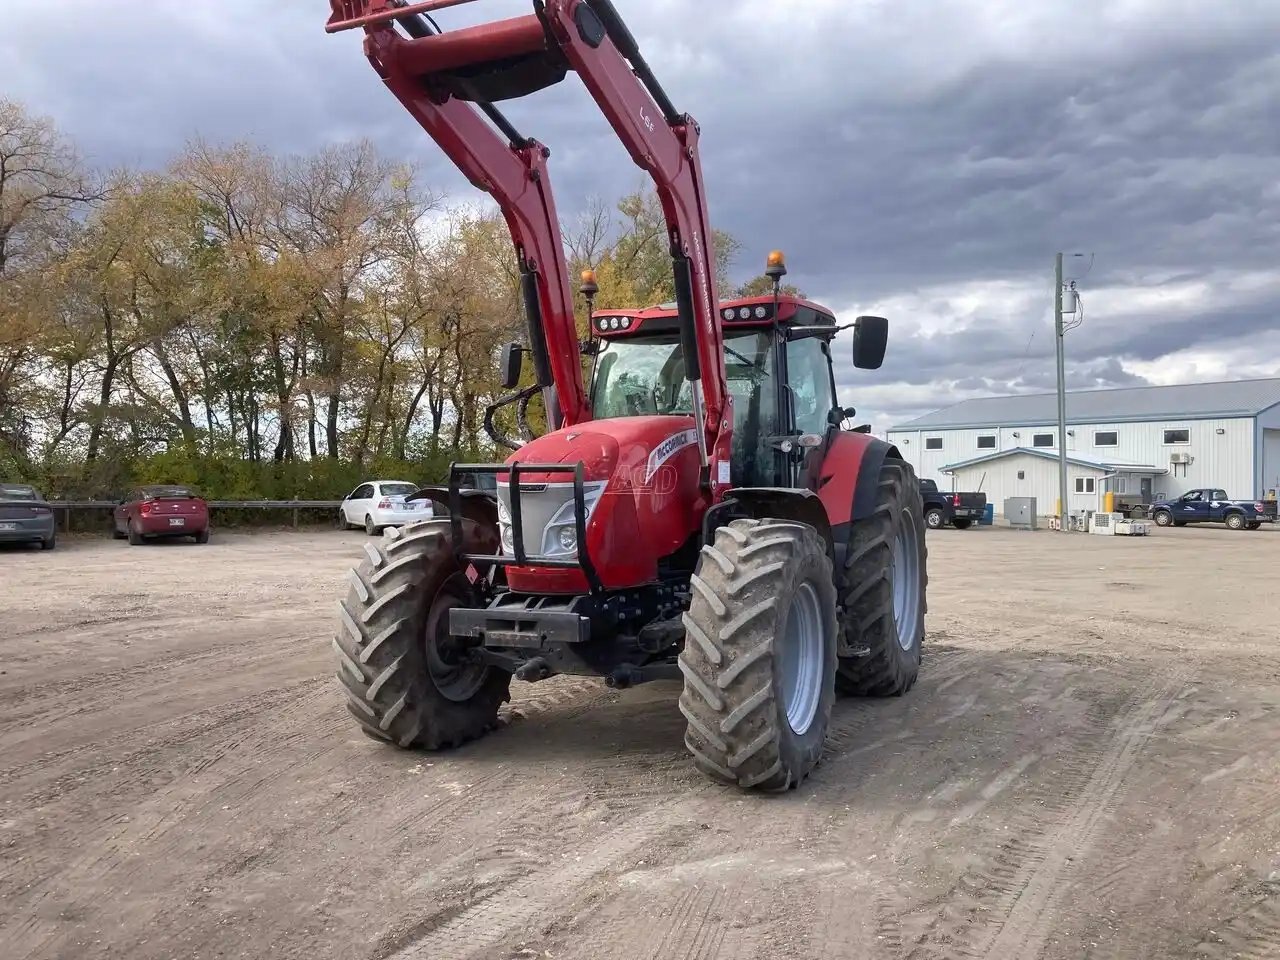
point(262, 326)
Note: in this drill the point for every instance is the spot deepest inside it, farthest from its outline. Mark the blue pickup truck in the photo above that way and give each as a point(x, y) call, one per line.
point(1210, 505)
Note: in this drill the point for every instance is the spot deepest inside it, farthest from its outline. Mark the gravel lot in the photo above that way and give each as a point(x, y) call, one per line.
point(1089, 767)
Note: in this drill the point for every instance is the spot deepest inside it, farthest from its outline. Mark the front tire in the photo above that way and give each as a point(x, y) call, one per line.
point(759, 656)
point(1163, 518)
point(404, 682)
point(884, 596)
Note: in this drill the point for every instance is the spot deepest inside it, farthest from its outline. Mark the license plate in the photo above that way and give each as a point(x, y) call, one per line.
point(8, 526)
point(177, 522)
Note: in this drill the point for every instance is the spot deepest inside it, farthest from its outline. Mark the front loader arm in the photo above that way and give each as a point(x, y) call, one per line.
point(664, 143)
point(448, 81)
point(513, 171)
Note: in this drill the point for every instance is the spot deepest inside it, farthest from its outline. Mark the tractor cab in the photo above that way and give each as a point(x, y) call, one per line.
point(778, 369)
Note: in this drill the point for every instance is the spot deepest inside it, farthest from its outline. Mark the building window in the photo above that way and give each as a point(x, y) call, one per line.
point(933, 443)
point(1022, 474)
point(1119, 485)
point(1177, 436)
point(987, 443)
point(1105, 438)
point(1042, 440)
point(1084, 484)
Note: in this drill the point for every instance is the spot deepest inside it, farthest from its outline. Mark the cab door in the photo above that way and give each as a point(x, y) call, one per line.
point(1193, 507)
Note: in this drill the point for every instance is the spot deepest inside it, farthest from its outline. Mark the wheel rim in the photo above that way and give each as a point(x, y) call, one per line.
point(1162, 518)
point(457, 680)
point(906, 581)
point(935, 518)
point(1235, 522)
point(801, 659)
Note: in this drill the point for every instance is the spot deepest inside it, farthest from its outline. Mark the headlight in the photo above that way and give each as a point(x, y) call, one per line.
point(508, 540)
point(568, 537)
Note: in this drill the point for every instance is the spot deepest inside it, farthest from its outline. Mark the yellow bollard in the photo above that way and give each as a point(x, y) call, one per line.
point(1109, 502)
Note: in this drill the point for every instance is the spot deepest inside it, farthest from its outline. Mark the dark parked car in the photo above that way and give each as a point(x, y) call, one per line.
point(25, 516)
point(1210, 505)
point(958, 509)
point(161, 510)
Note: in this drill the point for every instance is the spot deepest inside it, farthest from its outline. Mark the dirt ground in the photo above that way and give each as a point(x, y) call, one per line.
point(1088, 767)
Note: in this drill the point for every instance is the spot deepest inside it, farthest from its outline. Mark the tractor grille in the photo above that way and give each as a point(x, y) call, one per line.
point(540, 504)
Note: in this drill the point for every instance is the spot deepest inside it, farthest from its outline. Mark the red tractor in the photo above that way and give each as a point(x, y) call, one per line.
point(696, 512)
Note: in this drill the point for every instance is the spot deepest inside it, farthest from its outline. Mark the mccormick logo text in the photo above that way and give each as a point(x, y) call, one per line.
point(667, 449)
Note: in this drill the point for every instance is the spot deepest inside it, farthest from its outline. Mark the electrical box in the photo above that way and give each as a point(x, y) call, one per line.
point(1020, 512)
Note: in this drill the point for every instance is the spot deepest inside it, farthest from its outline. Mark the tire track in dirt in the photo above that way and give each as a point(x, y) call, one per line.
point(1251, 935)
point(536, 897)
point(1041, 887)
point(1004, 905)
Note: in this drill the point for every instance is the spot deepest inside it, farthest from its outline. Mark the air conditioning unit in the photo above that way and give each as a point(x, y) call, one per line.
point(1181, 458)
point(1104, 524)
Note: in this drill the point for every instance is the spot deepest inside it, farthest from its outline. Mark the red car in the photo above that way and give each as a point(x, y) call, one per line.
point(163, 510)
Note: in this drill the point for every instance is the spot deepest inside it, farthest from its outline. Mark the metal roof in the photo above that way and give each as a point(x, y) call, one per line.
point(1229, 398)
point(1109, 465)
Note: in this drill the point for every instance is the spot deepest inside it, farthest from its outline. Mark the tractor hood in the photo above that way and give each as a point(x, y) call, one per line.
point(641, 493)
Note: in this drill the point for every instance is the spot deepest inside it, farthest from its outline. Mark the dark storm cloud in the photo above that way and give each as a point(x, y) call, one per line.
point(923, 160)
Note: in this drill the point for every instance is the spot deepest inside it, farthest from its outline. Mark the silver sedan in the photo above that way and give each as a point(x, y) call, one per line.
point(25, 516)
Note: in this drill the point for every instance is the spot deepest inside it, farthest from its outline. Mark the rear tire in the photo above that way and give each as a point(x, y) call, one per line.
point(884, 597)
point(402, 683)
point(370, 528)
point(1235, 521)
point(759, 656)
point(49, 544)
point(934, 518)
point(961, 524)
point(135, 535)
point(203, 536)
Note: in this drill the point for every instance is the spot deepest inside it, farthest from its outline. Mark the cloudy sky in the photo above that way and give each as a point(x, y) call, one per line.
point(920, 159)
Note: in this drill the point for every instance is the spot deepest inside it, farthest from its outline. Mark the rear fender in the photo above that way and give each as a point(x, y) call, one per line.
point(848, 479)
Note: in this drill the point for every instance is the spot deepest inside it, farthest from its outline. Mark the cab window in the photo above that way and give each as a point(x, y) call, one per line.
point(810, 386)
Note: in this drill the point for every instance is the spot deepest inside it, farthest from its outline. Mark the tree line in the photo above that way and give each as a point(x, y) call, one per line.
point(261, 325)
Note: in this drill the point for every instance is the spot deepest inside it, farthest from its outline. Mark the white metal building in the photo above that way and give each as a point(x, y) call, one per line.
point(1192, 435)
point(1028, 472)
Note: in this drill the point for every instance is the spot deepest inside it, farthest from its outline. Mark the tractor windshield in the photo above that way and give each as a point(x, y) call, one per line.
point(643, 375)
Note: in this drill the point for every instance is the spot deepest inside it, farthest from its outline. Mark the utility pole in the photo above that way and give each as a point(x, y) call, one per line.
point(1062, 397)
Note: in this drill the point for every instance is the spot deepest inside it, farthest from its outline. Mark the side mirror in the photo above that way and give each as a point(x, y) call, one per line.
point(510, 363)
point(839, 415)
point(870, 335)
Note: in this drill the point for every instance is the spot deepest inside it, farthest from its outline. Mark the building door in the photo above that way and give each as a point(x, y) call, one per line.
point(1146, 489)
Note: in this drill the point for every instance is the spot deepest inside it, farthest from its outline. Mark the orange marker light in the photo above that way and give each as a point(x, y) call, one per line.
point(775, 265)
point(776, 259)
point(588, 277)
